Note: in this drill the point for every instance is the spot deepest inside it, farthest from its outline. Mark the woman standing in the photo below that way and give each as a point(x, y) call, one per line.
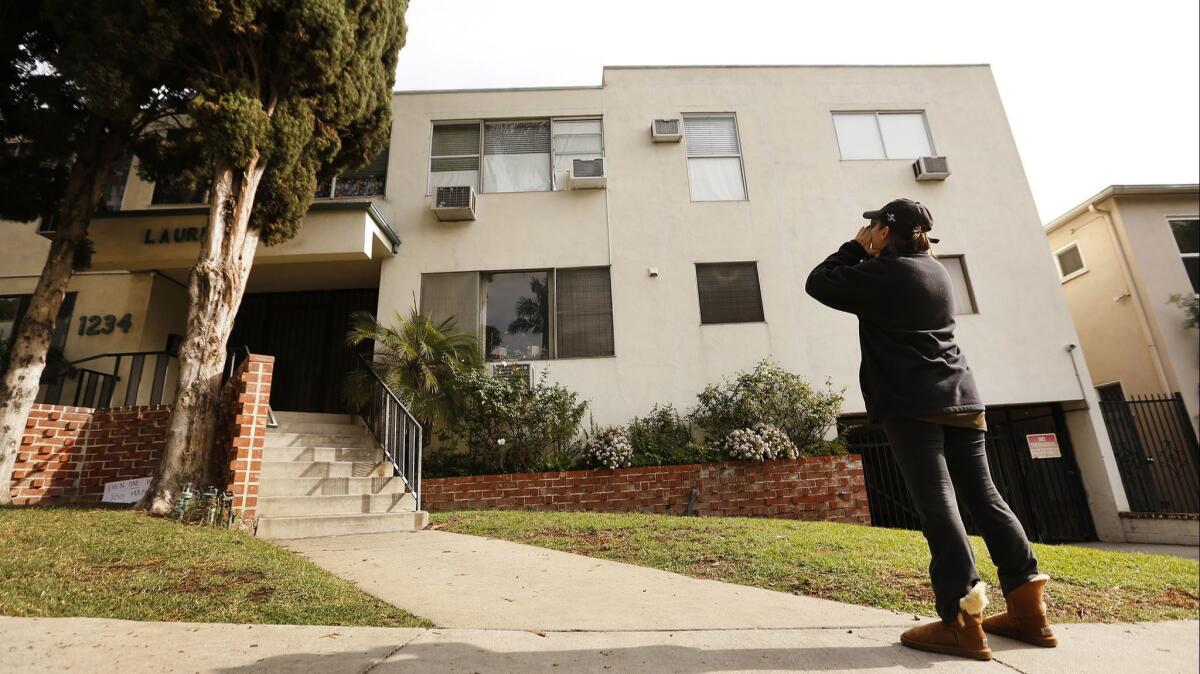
point(917, 384)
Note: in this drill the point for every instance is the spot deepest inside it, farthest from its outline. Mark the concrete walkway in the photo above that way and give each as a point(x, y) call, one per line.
point(34, 645)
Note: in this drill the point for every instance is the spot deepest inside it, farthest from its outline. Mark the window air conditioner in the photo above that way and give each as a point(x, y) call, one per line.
point(931, 168)
point(587, 174)
point(521, 373)
point(454, 203)
point(666, 131)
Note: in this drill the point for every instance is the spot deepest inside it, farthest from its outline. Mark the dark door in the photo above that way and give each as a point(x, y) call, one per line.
point(306, 332)
point(1046, 495)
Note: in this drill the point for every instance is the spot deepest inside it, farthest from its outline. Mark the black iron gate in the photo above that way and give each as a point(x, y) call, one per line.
point(1046, 495)
point(1156, 451)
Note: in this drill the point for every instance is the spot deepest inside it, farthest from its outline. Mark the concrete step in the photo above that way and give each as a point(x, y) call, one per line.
point(277, 469)
point(298, 506)
point(320, 428)
point(330, 486)
point(276, 439)
point(374, 454)
point(315, 417)
point(340, 525)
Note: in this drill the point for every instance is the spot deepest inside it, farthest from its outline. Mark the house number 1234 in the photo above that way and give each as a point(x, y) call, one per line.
point(103, 325)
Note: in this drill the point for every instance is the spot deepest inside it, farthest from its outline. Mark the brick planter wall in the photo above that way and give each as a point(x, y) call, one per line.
point(69, 453)
point(828, 488)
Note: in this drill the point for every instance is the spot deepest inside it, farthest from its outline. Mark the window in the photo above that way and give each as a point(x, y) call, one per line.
point(368, 181)
point(516, 156)
point(584, 313)
point(13, 308)
point(1070, 262)
point(960, 281)
point(1111, 391)
point(882, 135)
point(575, 139)
point(1187, 238)
point(714, 158)
point(454, 159)
point(172, 192)
point(729, 293)
point(527, 315)
point(114, 187)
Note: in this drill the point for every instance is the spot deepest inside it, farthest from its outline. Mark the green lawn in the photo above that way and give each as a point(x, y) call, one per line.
point(105, 563)
point(885, 568)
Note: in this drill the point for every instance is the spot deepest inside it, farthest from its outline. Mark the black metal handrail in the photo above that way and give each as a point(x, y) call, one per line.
point(396, 430)
point(96, 387)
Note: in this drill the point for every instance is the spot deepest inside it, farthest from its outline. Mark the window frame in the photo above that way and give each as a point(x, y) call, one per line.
point(1063, 278)
point(1175, 243)
point(483, 122)
point(333, 181)
point(962, 263)
point(879, 128)
point(741, 157)
point(758, 280)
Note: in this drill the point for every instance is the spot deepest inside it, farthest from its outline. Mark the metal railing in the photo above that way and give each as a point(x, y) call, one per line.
point(396, 430)
point(96, 386)
point(1157, 452)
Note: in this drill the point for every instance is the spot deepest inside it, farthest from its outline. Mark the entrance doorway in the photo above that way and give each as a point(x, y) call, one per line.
point(306, 332)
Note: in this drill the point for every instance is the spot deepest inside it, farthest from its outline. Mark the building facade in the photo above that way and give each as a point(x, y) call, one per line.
point(686, 266)
point(1121, 255)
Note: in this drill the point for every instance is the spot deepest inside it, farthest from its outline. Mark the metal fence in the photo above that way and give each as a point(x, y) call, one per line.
point(1157, 452)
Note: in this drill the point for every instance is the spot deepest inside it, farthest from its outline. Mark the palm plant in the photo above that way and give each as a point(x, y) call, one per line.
point(417, 358)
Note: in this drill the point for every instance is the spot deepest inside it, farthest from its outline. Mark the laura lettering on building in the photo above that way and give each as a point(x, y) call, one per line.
point(176, 235)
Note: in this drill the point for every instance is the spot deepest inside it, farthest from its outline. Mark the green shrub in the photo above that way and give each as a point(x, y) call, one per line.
point(770, 395)
point(505, 426)
point(662, 438)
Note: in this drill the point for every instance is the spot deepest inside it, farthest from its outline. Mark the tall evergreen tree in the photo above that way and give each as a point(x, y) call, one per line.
point(282, 90)
point(78, 82)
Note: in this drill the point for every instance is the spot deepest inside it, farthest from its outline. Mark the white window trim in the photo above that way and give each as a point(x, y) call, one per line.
point(1058, 264)
point(924, 118)
point(737, 132)
point(1167, 219)
point(482, 130)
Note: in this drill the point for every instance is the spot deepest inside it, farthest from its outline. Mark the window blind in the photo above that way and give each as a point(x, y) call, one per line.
point(454, 159)
point(711, 136)
point(584, 313)
point(729, 292)
point(452, 295)
point(516, 156)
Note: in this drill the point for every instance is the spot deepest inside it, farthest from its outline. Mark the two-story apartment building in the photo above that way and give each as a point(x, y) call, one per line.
point(677, 260)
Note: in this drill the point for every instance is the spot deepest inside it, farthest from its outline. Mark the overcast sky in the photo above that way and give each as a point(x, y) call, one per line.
point(1134, 64)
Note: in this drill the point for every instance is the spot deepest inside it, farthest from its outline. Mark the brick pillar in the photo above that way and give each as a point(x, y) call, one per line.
point(249, 397)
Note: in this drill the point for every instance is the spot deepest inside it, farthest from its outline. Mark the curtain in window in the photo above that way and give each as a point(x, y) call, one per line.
point(516, 156)
point(575, 139)
point(904, 135)
point(585, 322)
point(452, 295)
point(455, 155)
point(714, 158)
point(858, 135)
point(729, 292)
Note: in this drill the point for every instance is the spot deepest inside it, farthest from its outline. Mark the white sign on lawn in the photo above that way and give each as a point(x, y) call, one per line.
point(126, 491)
point(1043, 446)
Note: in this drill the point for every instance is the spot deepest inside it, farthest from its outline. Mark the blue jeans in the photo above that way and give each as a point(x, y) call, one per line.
point(937, 462)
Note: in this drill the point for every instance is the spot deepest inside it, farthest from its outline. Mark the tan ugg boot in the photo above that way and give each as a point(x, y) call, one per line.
point(964, 637)
point(1025, 619)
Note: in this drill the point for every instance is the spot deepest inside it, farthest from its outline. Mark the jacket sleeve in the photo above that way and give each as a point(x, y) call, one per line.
point(850, 281)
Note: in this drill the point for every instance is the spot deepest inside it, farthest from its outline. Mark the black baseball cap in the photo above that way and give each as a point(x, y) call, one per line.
point(905, 214)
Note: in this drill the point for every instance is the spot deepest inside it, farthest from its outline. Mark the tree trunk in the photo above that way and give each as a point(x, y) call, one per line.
point(215, 288)
point(27, 357)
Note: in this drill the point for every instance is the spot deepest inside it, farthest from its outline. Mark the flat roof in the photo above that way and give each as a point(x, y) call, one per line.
point(1118, 191)
point(399, 92)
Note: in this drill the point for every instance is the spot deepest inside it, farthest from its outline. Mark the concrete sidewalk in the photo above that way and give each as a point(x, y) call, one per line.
point(33, 645)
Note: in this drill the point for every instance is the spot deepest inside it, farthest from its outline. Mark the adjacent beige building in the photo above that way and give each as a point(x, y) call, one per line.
point(676, 259)
point(1121, 255)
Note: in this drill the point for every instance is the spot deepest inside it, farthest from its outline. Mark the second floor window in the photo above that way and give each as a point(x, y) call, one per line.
point(882, 135)
point(714, 156)
point(1187, 238)
point(729, 293)
point(960, 282)
point(516, 156)
point(368, 181)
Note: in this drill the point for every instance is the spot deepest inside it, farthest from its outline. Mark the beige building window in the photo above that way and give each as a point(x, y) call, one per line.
point(960, 281)
point(729, 293)
point(368, 181)
point(882, 135)
point(1187, 238)
point(1070, 261)
point(454, 158)
point(714, 157)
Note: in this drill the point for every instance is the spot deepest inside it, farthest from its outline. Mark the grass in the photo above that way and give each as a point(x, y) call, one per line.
point(105, 563)
point(884, 568)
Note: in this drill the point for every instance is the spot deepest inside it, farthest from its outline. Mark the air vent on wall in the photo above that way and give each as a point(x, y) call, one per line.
point(455, 202)
point(666, 131)
point(587, 174)
point(931, 168)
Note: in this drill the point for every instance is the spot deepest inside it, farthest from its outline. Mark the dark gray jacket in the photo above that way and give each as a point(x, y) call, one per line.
point(911, 366)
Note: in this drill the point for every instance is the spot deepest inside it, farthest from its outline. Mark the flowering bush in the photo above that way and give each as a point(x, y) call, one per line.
point(771, 395)
point(664, 438)
point(608, 448)
point(763, 442)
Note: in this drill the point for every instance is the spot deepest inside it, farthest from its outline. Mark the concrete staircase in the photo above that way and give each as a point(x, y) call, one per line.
point(324, 475)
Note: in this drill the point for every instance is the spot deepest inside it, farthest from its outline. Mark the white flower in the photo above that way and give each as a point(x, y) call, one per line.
point(501, 442)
